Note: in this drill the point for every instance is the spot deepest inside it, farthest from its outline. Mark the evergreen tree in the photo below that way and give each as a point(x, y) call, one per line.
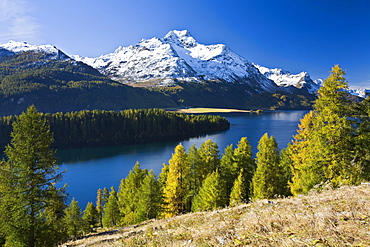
point(129, 194)
point(73, 219)
point(334, 130)
point(177, 185)
point(194, 162)
point(243, 157)
point(54, 232)
point(285, 168)
point(149, 204)
point(323, 151)
point(99, 206)
point(210, 160)
point(90, 217)
point(111, 213)
point(212, 194)
point(238, 192)
point(162, 178)
point(306, 172)
point(226, 169)
point(361, 158)
point(266, 179)
point(27, 180)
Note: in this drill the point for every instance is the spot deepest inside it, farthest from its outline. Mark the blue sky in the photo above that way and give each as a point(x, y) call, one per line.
point(295, 35)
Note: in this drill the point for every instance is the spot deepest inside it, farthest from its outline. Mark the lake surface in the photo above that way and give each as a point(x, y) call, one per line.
point(89, 169)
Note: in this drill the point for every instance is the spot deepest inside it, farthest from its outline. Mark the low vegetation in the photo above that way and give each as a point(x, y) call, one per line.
point(332, 217)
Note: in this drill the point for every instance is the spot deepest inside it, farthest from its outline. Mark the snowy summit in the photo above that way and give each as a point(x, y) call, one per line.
point(178, 55)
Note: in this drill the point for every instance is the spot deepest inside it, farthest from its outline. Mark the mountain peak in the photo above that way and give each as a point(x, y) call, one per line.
point(180, 38)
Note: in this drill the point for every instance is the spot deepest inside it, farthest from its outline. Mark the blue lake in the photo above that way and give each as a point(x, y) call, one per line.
point(89, 169)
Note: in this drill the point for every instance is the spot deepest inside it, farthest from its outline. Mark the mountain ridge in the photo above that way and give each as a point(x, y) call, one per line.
point(182, 57)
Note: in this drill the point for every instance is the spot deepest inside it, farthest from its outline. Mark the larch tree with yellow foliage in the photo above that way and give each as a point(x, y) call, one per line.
point(177, 183)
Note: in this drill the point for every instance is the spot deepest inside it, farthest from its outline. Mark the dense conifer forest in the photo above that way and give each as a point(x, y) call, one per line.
point(104, 128)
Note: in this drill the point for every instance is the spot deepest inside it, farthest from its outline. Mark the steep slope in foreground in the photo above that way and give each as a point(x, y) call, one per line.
point(338, 217)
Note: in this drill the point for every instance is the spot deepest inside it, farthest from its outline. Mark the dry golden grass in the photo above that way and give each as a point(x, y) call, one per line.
point(338, 217)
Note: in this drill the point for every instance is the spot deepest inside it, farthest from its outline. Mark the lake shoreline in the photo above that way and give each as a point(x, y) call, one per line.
point(210, 110)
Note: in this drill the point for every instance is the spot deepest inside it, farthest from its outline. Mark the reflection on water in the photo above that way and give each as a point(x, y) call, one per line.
point(92, 168)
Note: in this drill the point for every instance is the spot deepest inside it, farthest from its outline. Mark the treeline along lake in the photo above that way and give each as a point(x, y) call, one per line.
point(107, 128)
point(88, 169)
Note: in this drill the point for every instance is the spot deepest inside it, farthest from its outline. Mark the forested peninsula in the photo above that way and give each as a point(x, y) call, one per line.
point(104, 128)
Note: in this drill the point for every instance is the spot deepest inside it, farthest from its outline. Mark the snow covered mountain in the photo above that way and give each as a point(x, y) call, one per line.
point(177, 69)
point(285, 79)
point(178, 56)
point(14, 47)
point(359, 92)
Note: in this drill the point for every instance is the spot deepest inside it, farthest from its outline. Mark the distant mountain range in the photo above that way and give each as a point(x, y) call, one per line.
point(174, 71)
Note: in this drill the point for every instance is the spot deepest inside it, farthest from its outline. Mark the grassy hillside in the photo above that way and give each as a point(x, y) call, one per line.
point(338, 217)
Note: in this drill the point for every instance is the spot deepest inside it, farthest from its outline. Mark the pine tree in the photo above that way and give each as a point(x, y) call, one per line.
point(27, 180)
point(177, 185)
point(90, 217)
point(73, 219)
point(267, 177)
point(212, 194)
point(111, 213)
point(238, 192)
